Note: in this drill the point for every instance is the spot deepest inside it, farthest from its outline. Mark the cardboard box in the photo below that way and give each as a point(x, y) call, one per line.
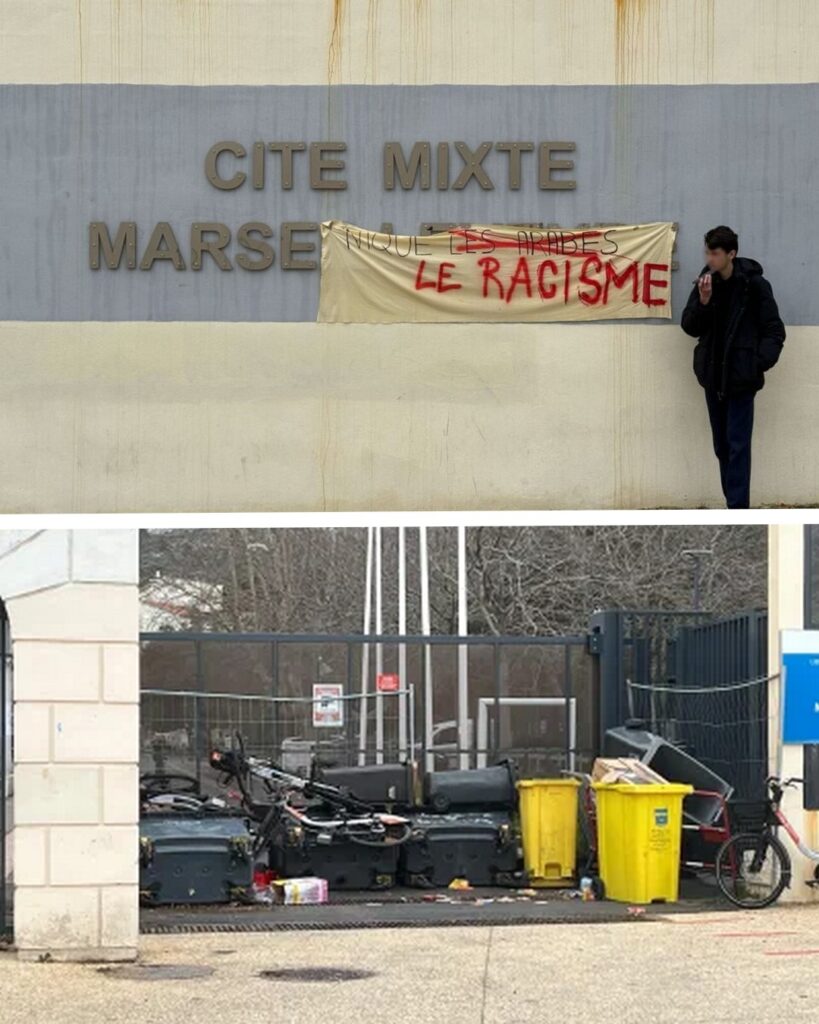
point(296, 891)
point(625, 770)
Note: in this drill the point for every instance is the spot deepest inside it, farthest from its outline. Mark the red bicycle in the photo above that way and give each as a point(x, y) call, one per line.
point(753, 867)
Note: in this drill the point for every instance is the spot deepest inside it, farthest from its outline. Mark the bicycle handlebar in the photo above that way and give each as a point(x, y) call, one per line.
point(792, 781)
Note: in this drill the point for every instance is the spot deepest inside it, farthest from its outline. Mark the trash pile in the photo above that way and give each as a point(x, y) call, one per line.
point(278, 838)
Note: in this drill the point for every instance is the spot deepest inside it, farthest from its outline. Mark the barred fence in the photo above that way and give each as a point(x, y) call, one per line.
point(531, 699)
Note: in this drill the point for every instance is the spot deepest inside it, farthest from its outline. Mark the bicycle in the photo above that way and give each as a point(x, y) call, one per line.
point(753, 868)
point(337, 816)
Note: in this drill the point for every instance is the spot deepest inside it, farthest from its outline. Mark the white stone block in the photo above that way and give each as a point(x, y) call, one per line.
point(120, 789)
point(11, 539)
point(96, 733)
point(57, 794)
point(121, 673)
point(56, 671)
point(87, 855)
point(32, 732)
point(29, 846)
point(77, 611)
point(40, 562)
point(48, 918)
point(105, 556)
point(119, 917)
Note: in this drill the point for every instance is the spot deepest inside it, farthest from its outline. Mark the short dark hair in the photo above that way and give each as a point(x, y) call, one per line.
point(722, 238)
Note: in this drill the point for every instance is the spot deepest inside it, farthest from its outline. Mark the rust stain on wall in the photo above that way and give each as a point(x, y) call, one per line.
point(334, 52)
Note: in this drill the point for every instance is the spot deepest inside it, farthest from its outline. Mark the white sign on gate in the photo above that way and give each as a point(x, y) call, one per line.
point(328, 706)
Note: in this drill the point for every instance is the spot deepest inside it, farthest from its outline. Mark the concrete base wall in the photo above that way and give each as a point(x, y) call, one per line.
point(112, 417)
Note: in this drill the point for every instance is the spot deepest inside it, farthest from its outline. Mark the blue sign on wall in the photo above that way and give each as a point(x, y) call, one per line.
point(800, 721)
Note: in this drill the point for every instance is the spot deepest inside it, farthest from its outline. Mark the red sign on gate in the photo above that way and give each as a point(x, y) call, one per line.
point(388, 683)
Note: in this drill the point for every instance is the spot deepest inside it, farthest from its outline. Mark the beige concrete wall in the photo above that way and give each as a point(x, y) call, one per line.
point(299, 416)
point(103, 417)
point(786, 570)
point(247, 42)
point(72, 601)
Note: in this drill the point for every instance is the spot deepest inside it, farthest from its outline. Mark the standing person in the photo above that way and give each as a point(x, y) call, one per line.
point(732, 312)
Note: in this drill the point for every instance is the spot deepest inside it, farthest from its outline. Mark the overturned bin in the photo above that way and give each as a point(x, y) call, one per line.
point(548, 818)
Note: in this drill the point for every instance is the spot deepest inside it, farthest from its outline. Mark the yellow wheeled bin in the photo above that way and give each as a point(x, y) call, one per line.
point(548, 817)
point(639, 835)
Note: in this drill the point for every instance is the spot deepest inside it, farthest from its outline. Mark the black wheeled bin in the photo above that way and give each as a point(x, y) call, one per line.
point(484, 789)
point(194, 860)
point(482, 848)
point(294, 853)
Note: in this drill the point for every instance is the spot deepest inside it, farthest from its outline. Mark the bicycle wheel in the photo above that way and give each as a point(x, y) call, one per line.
point(753, 869)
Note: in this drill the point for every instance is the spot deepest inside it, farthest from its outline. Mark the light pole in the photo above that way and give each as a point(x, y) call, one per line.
point(696, 555)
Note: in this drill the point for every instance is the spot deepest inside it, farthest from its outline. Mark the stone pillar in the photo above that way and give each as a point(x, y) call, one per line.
point(72, 601)
point(786, 610)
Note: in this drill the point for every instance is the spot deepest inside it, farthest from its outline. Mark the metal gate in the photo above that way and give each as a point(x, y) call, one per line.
point(529, 698)
point(5, 773)
point(695, 679)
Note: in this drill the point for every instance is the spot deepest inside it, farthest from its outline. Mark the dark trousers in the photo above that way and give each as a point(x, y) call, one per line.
point(732, 421)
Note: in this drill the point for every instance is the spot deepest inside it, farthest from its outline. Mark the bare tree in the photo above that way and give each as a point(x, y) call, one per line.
point(522, 580)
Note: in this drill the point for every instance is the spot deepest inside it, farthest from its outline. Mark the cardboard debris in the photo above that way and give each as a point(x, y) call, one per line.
point(625, 770)
point(298, 891)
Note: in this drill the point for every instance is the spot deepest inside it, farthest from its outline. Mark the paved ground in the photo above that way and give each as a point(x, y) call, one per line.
point(686, 969)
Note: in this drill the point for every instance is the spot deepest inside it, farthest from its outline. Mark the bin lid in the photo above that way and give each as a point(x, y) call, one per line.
point(532, 783)
point(648, 789)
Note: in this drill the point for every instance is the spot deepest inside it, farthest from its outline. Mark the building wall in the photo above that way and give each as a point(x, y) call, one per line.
point(214, 390)
point(786, 573)
point(72, 602)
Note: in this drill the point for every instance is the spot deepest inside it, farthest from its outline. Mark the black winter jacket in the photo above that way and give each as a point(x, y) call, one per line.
point(753, 338)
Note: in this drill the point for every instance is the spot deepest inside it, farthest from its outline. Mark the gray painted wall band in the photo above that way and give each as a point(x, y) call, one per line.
point(700, 155)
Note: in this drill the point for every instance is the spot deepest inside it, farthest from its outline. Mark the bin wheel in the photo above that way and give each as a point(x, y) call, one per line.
point(598, 887)
point(440, 803)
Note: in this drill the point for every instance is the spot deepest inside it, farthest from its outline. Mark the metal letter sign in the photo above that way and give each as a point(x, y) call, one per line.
point(328, 707)
point(800, 673)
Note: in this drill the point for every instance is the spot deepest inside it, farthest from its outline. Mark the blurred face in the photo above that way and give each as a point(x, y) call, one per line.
point(718, 259)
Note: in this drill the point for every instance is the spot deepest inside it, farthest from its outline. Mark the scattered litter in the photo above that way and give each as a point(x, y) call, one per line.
point(459, 883)
point(527, 892)
point(587, 890)
point(293, 891)
point(373, 904)
point(636, 911)
point(483, 902)
point(262, 894)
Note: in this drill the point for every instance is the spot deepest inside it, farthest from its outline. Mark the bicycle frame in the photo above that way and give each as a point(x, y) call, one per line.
point(794, 836)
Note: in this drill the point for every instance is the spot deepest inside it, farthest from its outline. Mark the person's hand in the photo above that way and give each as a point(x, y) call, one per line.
point(705, 285)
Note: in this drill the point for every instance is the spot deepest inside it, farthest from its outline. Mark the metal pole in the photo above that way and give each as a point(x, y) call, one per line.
point(274, 732)
point(463, 659)
point(402, 648)
point(197, 717)
point(496, 706)
point(412, 723)
point(425, 629)
point(379, 650)
point(365, 654)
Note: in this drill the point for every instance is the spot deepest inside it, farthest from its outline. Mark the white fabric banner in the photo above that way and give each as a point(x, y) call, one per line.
point(487, 273)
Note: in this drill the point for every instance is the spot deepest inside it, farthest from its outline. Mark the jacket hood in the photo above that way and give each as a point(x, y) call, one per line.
point(749, 267)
